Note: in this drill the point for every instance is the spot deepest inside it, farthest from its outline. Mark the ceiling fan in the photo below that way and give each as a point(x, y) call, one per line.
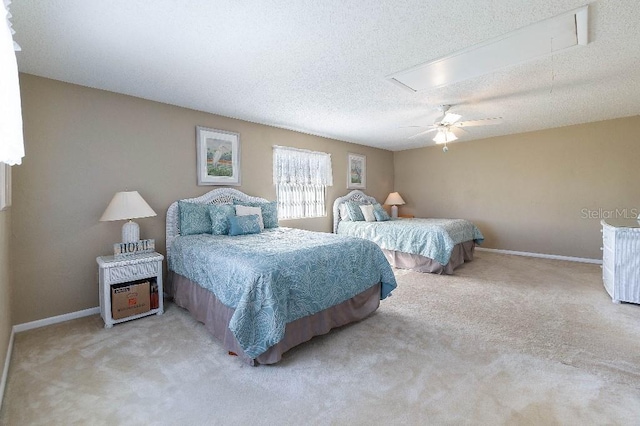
point(449, 121)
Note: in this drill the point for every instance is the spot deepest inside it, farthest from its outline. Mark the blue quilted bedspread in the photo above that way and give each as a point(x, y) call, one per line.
point(432, 238)
point(278, 276)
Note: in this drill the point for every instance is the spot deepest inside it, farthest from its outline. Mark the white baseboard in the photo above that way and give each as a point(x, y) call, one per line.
point(37, 324)
point(55, 320)
point(542, 255)
point(5, 371)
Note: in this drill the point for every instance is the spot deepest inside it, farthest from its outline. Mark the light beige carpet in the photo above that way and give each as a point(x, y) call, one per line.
point(507, 340)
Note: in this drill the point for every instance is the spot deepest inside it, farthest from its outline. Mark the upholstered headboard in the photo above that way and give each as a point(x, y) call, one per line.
point(217, 196)
point(357, 196)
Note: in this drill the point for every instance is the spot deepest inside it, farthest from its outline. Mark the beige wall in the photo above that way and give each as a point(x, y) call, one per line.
point(526, 192)
point(83, 145)
point(5, 288)
point(530, 192)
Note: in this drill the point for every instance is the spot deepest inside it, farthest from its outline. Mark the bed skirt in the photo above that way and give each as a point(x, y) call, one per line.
point(205, 307)
point(461, 252)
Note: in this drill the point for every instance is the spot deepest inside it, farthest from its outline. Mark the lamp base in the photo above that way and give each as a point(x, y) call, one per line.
point(394, 212)
point(130, 232)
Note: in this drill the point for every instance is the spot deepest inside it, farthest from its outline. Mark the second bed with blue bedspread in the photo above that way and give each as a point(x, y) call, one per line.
point(432, 238)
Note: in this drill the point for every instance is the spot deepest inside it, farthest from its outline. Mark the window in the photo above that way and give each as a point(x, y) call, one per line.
point(11, 138)
point(300, 200)
point(301, 178)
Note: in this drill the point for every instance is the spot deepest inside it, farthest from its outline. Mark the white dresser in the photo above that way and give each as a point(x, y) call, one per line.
point(621, 259)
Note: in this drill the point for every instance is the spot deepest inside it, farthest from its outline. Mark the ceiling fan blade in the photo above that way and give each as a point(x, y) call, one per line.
point(450, 118)
point(483, 122)
point(457, 131)
point(422, 133)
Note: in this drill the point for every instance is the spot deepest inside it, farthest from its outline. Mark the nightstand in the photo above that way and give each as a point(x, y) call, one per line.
point(406, 216)
point(128, 270)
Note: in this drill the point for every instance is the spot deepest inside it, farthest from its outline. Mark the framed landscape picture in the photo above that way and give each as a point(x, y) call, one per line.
point(357, 171)
point(218, 157)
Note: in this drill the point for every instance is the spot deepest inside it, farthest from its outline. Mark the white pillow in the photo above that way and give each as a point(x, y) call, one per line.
point(367, 212)
point(344, 213)
point(246, 211)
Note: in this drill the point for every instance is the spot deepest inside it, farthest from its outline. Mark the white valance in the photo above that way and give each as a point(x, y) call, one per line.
point(11, 138)
point(300, 166)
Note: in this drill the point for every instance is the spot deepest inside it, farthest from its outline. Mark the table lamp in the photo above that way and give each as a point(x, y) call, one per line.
point(394, 200)
point(126, 206)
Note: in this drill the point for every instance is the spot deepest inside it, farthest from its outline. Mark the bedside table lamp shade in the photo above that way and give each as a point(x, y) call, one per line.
point(126, 206)
point(394, 200)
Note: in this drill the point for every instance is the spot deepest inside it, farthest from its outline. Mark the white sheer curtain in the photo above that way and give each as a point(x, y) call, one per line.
point(11, 138)
point(301, 178)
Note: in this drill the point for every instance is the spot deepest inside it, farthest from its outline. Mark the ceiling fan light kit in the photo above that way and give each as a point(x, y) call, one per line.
point(444, 136)
point(449, 121)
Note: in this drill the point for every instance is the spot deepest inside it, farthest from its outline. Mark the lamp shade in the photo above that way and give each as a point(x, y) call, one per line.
point(394, 199)
point(127, 205)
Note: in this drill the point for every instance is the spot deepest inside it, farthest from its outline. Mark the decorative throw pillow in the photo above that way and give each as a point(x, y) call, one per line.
point(246, 210)
point(355, 213)
point(243, 225)
point(380, 213)
point(269, 212)
point(220, 214)
point(194, 218)
point(380, 216)
point(367, 212)
point(344, 213)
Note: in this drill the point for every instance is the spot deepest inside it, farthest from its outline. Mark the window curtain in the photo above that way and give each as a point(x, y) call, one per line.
point(11, 138)
point(291, 165)
point(301, 178)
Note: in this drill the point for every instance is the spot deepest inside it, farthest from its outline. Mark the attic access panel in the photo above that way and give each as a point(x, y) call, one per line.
point(519, 46)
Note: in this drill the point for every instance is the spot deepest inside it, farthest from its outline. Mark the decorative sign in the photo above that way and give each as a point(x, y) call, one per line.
point(127, 249)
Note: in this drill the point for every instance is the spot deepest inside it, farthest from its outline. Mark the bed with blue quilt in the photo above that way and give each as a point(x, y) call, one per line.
point(262, 289)
point(420, 244)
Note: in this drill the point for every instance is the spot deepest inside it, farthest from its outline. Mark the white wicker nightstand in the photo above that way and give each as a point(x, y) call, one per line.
point(116, 271)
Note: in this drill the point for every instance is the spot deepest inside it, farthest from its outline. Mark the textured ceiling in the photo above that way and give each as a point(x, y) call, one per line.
point(320, 67)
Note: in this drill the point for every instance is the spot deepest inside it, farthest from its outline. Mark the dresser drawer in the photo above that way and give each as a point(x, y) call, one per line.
point(608, 238)
point(125, 273)
point(608, 279)
point(608, 257)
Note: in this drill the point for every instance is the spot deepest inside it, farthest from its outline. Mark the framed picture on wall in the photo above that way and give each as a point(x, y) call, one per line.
point(218, 157)
point(356, 171)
